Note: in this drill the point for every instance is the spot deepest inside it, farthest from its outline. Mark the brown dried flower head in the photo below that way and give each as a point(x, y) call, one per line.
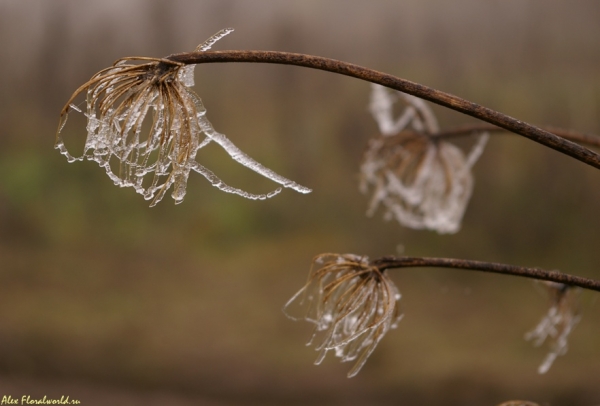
point(557, 324)
point(144, 118)
point(352, 305)
point(423, 182)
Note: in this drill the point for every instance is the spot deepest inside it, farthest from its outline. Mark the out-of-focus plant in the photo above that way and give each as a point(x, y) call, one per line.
point(557, 324)
point(423, 181)
point(518, 403)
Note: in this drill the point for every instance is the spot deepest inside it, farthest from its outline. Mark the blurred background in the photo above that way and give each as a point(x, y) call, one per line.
point(109, 301)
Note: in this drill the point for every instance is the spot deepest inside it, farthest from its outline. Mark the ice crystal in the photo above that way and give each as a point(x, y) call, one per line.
point(558, 322)
point(143, 118)
point(423, 182)
point(416, 114)
point(352, 305)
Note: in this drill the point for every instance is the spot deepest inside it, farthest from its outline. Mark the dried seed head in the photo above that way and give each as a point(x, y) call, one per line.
point(423, 183)
point(352, 304)
point(144, 118)
point(558, 322)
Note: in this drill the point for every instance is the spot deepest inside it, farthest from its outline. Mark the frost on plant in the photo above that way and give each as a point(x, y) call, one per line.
point(145, 126)
point(422, 182)
point(352, 305)
point(558, 322)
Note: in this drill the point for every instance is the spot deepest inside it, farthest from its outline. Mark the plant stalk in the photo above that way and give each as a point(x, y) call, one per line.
point(435, 96)
point(534, 273)
point(591, 140)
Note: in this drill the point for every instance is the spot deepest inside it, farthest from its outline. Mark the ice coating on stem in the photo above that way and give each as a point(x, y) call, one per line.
point(186, 74)
point(206, 45)
point(145, 126)
point(239, 156)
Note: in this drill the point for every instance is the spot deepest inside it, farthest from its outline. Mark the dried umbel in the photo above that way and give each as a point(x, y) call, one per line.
point(558, 322)
point(423, 182)
point(143, 118)
point(352, 305)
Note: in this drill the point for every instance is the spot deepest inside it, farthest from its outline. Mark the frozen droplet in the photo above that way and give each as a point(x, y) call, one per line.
point(186, 75)
point(206, 45)
point(74, 107)
point(60, 146)
point(273, 193)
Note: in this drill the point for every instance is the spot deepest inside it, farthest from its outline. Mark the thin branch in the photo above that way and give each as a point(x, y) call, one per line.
point(435, 96)
point(534, 273)
point(592, 140)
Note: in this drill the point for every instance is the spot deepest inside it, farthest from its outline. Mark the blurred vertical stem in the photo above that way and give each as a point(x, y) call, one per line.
point(435, 96)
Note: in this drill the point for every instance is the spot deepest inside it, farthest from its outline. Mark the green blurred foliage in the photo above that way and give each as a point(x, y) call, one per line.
point(97, 288)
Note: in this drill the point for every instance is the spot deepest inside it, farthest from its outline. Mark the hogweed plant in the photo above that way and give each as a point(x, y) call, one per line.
point(119, 100)
point(352, 305)
point(145, 126)
point(557, 324)
point(422, 180)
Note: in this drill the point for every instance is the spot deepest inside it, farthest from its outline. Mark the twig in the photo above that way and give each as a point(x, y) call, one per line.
point(534, 273)
point(592, 140)
point(435, 96)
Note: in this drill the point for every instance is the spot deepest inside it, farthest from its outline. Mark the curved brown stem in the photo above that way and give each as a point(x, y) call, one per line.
point(575, 136)
point(435, 96)
point(534, 273)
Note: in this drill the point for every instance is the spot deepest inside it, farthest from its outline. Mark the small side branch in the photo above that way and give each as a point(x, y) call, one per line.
point(534, 273)
point(591, 140)
point(435, 96)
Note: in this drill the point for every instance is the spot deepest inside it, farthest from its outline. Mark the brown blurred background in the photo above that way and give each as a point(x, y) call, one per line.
point(111, 302)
